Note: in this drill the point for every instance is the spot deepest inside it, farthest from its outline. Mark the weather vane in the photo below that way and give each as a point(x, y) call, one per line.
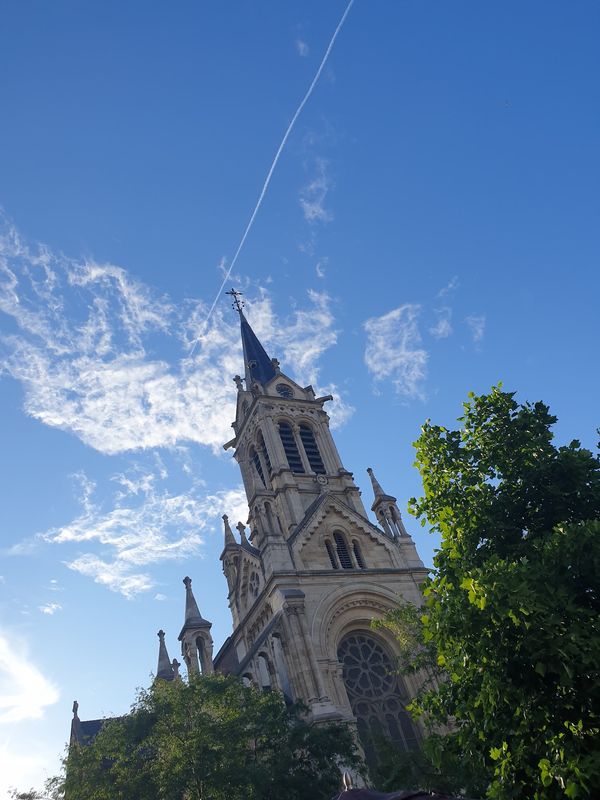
point(237, 303)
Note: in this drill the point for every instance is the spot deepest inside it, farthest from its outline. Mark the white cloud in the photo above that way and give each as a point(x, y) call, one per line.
point(302, 48)
point(442, 329)
point(50, 608)
point(320, 267)
point(24, 691)
point(159, 596)
point(476, 324)
point(393, 350)
point(81, 351)
point(145, 526)
point(313, 195)
point(450, 287)
point(27, 762)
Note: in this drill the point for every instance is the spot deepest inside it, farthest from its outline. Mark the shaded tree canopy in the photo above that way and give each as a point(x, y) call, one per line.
point(511, 611)
point(210, 738)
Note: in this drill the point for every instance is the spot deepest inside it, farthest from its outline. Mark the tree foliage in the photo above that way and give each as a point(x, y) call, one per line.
point(511, 611)
point(212, 738)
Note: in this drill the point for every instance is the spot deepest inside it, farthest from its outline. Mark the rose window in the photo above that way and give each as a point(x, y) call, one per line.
point(376, 693)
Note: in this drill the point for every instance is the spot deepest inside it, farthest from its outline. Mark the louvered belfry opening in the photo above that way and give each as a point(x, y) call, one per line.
point(358, 555)
point(257, 465)
point(342, 551)
point(263, 448)
point(312, 451)
point(331, 555)
point(289, 445)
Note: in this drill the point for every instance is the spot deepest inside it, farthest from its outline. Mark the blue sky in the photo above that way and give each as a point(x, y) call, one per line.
point(431, 228)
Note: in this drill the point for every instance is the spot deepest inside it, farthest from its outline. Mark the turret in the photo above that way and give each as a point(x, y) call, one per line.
point(385, 508)
point(196, 640)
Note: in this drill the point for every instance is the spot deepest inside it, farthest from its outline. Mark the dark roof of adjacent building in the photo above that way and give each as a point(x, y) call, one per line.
point(403, 794)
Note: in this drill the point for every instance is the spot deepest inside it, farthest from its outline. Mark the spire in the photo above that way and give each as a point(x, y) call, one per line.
point(193, 617)
point(195, 638)
point(164, 670)
point(259, 367)
point(386, 510)
point(377, 490)
point(229, 537)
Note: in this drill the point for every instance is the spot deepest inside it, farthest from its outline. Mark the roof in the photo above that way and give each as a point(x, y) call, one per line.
point(84, 731)
point(403, 794)
point(259, 367)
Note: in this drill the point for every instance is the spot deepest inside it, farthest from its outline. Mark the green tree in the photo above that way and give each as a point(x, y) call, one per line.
point(512, 610)
point(212, 738)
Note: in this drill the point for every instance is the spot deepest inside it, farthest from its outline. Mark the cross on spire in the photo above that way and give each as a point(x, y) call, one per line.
point(237, 303)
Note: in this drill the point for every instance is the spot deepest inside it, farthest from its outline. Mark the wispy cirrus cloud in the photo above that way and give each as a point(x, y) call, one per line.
point(449, 288)
point(145, 525)
point(314, 193)
point(394, 352)
point(50, 608)
point(443, 327)
point(302, 48)
point(86, 342)
point(476, 325)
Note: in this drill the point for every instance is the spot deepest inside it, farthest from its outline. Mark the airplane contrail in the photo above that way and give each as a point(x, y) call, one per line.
point(286, 135)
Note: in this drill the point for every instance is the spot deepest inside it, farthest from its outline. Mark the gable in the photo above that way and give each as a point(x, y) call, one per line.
point(332, 528)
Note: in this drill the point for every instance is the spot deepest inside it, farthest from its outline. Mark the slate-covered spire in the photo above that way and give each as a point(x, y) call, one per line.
point(259, 367)
point(164, 670)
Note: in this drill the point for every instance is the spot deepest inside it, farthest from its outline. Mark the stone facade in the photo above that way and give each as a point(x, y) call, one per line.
point(308, 571)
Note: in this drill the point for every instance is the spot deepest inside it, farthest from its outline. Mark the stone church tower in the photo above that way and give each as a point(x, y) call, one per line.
point(312, 572)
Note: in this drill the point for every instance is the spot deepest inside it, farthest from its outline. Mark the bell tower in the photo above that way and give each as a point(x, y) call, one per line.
point(308, 570)
point(283, 445)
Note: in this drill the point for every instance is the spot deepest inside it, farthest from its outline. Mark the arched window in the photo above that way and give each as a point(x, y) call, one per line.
point(358, 555)
point(255, 458)
point(376, 693)
point(331, 555)
point(342, 551)
point(263, 449)
point(289, 445)
point(312, 451)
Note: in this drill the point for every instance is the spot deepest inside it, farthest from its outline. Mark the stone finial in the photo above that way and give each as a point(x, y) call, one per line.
point(238, 382)
point(276, 367)
point(175, 667)
point(229, 537)
point(75, 708)
point(242, 529)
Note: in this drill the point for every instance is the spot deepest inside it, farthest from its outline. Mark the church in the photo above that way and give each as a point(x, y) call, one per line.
point(308, 571)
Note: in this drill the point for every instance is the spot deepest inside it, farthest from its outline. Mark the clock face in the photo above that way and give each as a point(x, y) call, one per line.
point(284, 390)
